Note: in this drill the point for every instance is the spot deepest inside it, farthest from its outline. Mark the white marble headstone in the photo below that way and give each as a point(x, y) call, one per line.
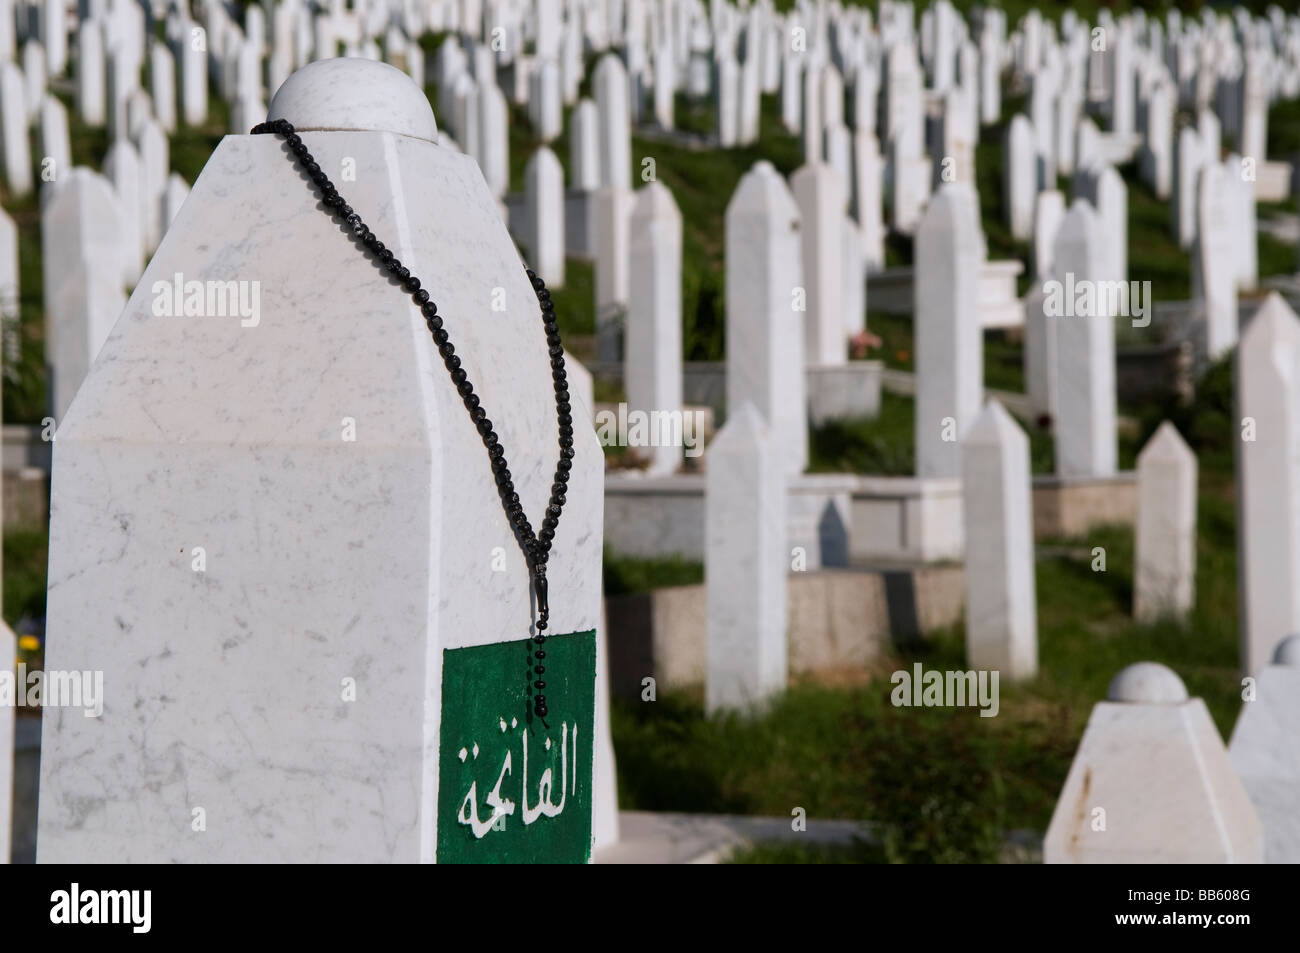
point(652, 362)
point(1268, 488)
point(1165, 577)
point(544, 188)
point(949, 341)
point(765, 338)
point(819, 193)
point(294, 496)
point(1001, 600)
point(745, 564)
point(1084, 377)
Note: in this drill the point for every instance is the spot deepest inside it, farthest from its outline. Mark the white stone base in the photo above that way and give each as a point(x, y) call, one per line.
point(843, 392)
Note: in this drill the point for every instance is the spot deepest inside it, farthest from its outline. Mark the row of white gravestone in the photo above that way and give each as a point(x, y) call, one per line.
point(1001, 617)
point(600, 141)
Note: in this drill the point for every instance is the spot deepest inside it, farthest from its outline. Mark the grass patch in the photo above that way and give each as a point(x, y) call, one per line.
point(26, 559)
point(625, 575)
point(943, 785)
point(884, 445)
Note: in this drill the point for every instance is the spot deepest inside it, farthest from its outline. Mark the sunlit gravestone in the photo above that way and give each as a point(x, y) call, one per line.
point(275, 527)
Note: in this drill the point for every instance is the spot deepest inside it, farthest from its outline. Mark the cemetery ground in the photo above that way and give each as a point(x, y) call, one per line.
point(933, 784)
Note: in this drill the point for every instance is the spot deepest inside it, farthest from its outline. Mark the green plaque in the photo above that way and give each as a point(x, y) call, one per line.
point(511, 790)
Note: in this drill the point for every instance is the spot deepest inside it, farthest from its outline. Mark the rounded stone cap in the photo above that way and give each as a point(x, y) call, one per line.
point(1287, 651)
point(1147, 683)
point(354, 95)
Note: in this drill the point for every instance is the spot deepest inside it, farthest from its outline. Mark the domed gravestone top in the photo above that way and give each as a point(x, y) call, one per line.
point(1152, 783)
point(275, 528)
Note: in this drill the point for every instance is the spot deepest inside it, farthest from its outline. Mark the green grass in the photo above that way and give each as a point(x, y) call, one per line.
point(26, 554)
point(625, 575)
point(944, 785)
point(1284, 129)
point(884, 445)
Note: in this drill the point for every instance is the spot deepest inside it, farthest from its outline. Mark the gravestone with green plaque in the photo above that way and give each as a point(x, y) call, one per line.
point(277, 531)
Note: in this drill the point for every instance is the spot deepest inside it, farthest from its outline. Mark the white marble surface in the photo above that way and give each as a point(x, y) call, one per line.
point(10, 285)
point(853, 278)
point(652, 354)
point(81, 240)
point(1019, 176)
point(1151, 783)
point(949, 341)
point(89, 75)
point(1245, 223)
point(56, 147)
point(819, 194)
point(15, 151)
point(155, 161)
point(1265, 751)
point(1001, 600)
point(867, 171)
point(726, 100)
point(765, 338)
point(1165, 577)
point(1268, 490)
point(1158, 150)
point(1189, 156)
point(613, 214)
point(1049, 210)
point(494, 138)
point(1085, 352)
point(122, 169)
point(813, 122)
point(325, 559)
point(609, 81)
point(584, 147)
point(544, 191)
point(173, 198)
point(745, 564)
point(354, 95)
point(545, 108)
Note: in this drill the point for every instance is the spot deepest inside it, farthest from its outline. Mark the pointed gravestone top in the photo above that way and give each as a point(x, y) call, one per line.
point(354, 95)
point(1167, 446)
point(1274, 323)
point(994, 427)
point(952, 212)
point(1147, 683)
point(761, 194)
point(1076, 247)
point(654, 203)
point(745, 433)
